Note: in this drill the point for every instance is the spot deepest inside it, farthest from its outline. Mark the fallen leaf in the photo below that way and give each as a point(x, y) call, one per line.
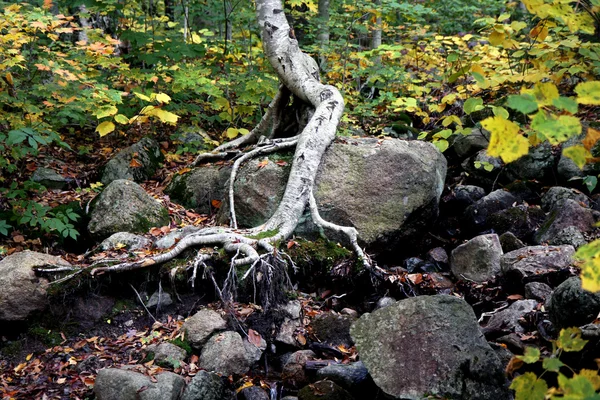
point(263, 163)
point(254, 337)
point(291, 244)
point(301, 339)
point(515, 297)
point(135, 163)
point(415, 278)
point(216, 203)
point(281, 163)
point(18, 239)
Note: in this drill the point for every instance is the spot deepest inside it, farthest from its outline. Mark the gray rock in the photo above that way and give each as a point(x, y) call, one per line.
point(556, 195)
point(162, 299)
point(172, 237)
point(537, 164)
point(199, 187)
point(508, 319)
point(206, 385)
point(113, 383)
point(253, 393)
point(570, 213)
point(353, 377)
point(49, 178)
point(349, 312)
point(429, 345)
point(333, 328)
point(324, 390)
point(147, 154)
point(465, 195)
point(385, 301)
point(510, 242)
point(389, 190)
point(478, 259)
point(200, 326)
point(22, 292)
point(537, 291)
point(476, 215)
point(569, 235)
point(570, 305)
point(465, 146)
point(254, 352)
point(476, 165)
point(521, 220)
point(286, 332)
point(292, 309)
point(293, 373)
point(167, 354)
point(225, 353)
point(534, 263)
point(127, 240)
point(124, 206)
point(438, 255)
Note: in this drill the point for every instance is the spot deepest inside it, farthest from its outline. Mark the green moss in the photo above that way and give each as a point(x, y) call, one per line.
point(12, 349)
point(264, 235)
point(47, 336)
point(184, 344)
point(320, 254)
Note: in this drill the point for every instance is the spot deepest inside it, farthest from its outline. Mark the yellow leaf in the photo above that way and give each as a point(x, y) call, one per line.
point(496, 38)
point(588, 93)
point(505, 140)
point(105, 128)
point(163, 98)
point(142, 96)
point(578, 154)
point(163, 115)
point(105, 111)
point(544, 93)
point(591, 138)
point(121, 119)
point(232, 133)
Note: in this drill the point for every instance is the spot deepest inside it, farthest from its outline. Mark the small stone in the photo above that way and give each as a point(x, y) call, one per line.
point(206, 385)
point(570, 305)
point(324, 390)
point(128, 323)
point(510, 242)
point(159, 300)
point(293, 373)
point(384, 302)
point(438, 255)
point(125, 240)
point(349, 312)
point(508, 319)
point(333, 329)
point(49, 178)
point(225, 354)
point(253, 393)
point(537, 291)
point(168, 354)
point(200, 326)
point(478, 259)
point(556, 196)
point(353, 377)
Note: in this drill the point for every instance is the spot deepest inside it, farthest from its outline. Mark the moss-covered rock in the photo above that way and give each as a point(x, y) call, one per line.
point(124, 206)
point(137, 162)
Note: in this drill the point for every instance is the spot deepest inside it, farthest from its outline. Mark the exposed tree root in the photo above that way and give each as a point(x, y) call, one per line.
point(318, 111)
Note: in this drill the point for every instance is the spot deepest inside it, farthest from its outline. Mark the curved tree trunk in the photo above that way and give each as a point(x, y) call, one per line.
point(300, 74)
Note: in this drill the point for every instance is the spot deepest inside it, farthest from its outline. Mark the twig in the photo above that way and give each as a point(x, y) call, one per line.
point(143, 305)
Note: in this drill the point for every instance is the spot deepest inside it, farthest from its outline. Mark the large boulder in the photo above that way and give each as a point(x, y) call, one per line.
point(387, 189)
point(545, 264)
point(198, 188)
point(475, 217)
point(124, 206)
point(122, 384)
point(137, 162)
point(566, 215)
point(570, 305)
point(429, 345)
point(22, 292)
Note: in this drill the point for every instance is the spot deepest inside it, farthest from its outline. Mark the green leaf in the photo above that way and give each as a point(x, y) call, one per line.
point(590, 183)
point(473, 104)
point(500, 112)
point(556, 129)
point(552, 364)
point(4, 227)
point(531, 355)
point(578, 387)
point(442, 145)
point(566, 104)
point(570, 339)
point(505, 140)
point(15, 137)
point(589, 256)
point(142, 96)
point(578, 154)
point(529, 387)
point(588, 93)
point(524, 103)
point(232, 133)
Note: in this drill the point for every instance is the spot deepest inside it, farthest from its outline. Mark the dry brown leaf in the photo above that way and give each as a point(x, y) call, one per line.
point(216, 203)
point(254, 337)
point(135, 163)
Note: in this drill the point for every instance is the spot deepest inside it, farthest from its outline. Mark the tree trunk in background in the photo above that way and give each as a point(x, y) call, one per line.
point(323, 35)
point(376, 33)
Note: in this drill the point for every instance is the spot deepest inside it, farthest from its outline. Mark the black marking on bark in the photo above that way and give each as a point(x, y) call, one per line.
point(277, 11)
point(325, 94)
point(316, 75)
point(292, 34)
point(270, 28)
point(331, 106)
